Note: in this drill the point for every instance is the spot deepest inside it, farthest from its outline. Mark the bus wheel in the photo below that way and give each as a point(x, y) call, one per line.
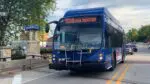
point(113, 63)
point(122, 60)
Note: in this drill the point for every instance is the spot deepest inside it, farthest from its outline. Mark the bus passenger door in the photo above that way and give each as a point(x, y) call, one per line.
point(118, 54)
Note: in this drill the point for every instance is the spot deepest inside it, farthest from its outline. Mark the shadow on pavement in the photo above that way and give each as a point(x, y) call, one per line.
point(137, 62)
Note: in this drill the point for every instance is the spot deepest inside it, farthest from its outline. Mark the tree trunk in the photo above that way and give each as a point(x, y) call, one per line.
point(3, 25)
point(2, 35)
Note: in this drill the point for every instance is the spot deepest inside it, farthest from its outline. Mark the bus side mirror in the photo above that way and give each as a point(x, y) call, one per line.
point(47, 27)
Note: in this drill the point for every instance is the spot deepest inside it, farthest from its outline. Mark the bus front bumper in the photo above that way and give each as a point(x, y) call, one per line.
point(77, 66)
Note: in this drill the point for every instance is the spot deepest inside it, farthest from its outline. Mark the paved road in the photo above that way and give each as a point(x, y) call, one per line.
point(136, 70)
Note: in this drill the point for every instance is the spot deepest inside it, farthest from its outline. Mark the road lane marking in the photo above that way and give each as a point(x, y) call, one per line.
point(38, 78)
point(17, 79)
point(114, 76)
point(122, 75)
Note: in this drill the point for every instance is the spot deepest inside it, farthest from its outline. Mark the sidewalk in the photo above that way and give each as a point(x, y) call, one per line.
point(24, 64)
point(8, 70)
point(21, 77)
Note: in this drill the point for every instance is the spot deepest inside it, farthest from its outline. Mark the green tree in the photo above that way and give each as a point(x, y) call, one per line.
point(144, 33)
point(132, 34)
point(14, 14)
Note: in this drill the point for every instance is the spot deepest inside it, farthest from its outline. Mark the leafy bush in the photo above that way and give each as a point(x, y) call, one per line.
point(45, 50)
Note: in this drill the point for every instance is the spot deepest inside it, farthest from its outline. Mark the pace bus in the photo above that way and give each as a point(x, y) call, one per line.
point(87, 39)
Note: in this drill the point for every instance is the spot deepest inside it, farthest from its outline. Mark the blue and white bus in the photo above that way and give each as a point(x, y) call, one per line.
point(87, 39)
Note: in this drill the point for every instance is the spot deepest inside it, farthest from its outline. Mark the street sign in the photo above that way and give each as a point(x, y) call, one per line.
point(31, 27)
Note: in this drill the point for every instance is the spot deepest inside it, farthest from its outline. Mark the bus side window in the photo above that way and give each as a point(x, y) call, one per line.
point(108, 37)
point(108, 42)
point(111, 37)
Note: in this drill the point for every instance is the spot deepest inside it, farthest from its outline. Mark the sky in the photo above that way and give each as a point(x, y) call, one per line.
point(130, 13)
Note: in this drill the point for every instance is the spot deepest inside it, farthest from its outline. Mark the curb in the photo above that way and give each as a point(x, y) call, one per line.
point(23, 67)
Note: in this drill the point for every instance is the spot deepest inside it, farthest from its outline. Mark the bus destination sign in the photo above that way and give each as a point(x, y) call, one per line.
point(80, 20)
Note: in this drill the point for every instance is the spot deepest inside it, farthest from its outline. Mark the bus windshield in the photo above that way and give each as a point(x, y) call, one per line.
point(78, 36)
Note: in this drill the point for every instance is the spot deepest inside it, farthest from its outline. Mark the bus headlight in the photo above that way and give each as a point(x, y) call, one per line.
point(54, 59)
point(100, 56)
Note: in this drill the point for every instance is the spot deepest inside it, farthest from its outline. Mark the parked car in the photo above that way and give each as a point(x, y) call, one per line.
point(149, 46)
point(134, 47)
point(18, 53)
point(129, 49)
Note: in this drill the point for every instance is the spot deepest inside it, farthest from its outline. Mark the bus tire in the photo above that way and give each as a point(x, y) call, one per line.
point(113, 63)
point(123, 59)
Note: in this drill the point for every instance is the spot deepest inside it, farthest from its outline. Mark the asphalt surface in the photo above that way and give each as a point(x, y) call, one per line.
point(136, 70)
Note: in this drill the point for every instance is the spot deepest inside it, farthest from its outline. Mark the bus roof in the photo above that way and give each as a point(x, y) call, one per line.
point(79, 12)
point(91, 12)
point(88, 12)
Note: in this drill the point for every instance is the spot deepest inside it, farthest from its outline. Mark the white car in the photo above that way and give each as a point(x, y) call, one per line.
point(149, 46)
point(129, 49)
